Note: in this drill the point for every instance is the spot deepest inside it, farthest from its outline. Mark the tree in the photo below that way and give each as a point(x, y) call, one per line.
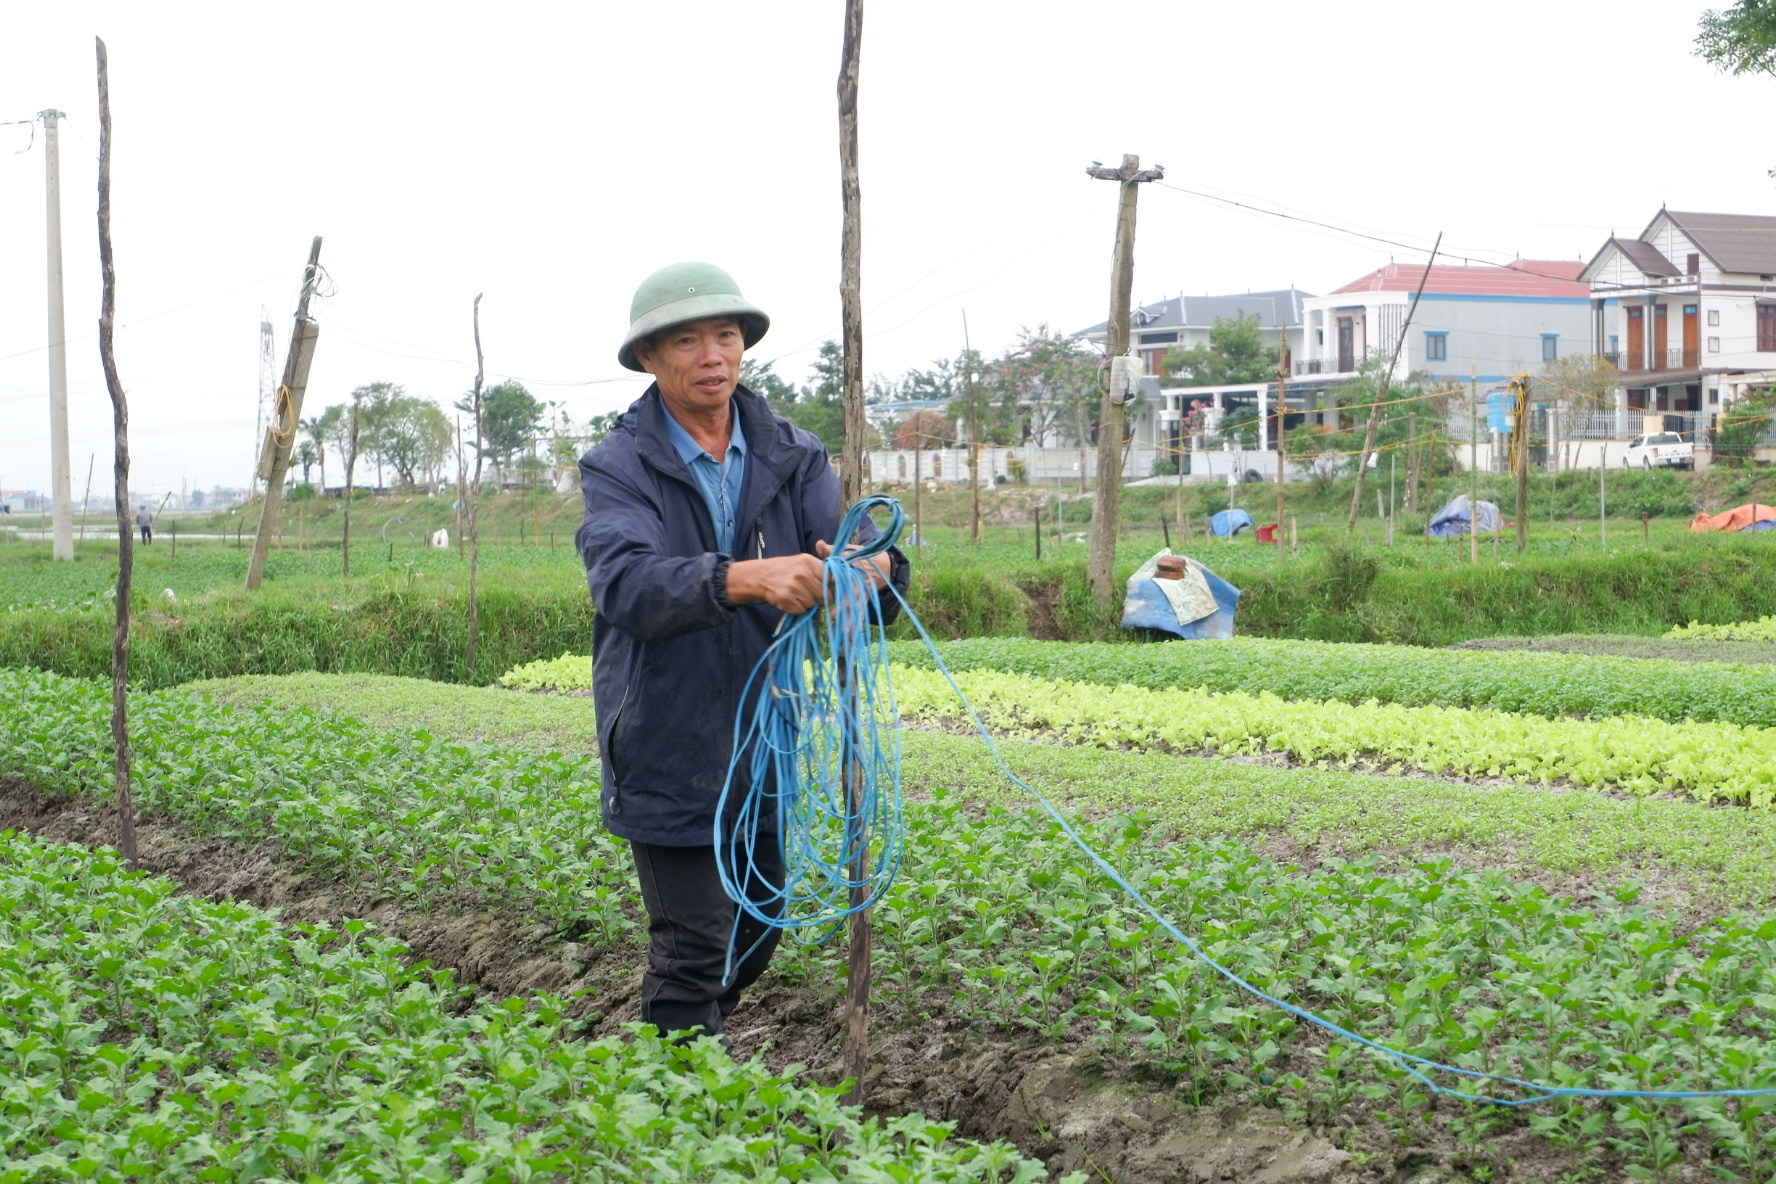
point(1049, 382)
point(317, 439)
point(305, 456)
point(510, 419)
point(1236, 353)
point(1411, 417)
point(979, 408)
point(759, 378)
point(923, 429)
point(820, 407)
point(1573, 387)
point(375, 403)
point(1741, 427)
point(1740, 39)
point(600, 426)
point(414, 437)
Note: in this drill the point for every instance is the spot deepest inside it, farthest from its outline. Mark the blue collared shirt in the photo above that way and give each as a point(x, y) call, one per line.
point(718, 481)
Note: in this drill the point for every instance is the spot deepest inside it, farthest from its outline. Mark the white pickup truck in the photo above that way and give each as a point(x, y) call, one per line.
point(1660, 449)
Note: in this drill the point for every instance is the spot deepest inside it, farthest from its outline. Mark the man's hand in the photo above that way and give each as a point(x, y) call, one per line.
point(793, 583)
point(878, 566)
point(789, 582)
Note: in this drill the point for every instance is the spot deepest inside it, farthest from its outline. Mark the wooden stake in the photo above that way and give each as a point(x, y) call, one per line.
point(126, 540)
point(856, 1049)
point(475, 500)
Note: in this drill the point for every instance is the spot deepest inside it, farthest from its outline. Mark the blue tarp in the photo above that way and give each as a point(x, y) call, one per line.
point(1454, 520)
point(1147, 605)
point(1230, 522)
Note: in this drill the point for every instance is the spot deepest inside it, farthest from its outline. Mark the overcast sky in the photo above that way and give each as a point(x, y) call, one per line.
point(551, 155)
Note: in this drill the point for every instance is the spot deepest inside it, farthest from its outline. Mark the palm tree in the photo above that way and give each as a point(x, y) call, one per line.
point(318, 440)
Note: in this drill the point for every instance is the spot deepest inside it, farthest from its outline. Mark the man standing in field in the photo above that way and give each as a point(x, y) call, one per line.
point(145, 520)
point(707, 519)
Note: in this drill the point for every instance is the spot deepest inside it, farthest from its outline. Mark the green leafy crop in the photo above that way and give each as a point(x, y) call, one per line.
point(153, 1036)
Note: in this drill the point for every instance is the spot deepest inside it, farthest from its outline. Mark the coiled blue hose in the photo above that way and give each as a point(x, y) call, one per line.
point(823, 753)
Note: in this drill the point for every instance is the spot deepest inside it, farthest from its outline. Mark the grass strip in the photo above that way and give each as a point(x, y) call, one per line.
point(1548, 684)
point(157, 1036)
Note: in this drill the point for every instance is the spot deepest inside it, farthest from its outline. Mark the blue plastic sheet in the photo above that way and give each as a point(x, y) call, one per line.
point(1230, 522)
point(1147, 606)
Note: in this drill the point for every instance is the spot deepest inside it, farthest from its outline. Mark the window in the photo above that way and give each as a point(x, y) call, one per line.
point(1714, 345)
point(1615, 348)
point(1714, 318)
point(1550, 346)
point(1436, 347)
point(1766, 327)
point(1159, 338)
point(1693, 266)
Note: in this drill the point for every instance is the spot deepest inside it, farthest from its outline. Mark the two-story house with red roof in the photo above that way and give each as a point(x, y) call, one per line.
point(1485, 323)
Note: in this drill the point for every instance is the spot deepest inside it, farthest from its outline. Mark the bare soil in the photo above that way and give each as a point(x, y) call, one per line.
point(1618, 646)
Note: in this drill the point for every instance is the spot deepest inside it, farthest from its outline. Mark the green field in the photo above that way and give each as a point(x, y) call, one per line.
point(1542, 857)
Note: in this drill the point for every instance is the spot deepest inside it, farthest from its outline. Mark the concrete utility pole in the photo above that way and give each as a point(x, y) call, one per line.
point(274, 461)
point(1101, 564)
point(61, 480)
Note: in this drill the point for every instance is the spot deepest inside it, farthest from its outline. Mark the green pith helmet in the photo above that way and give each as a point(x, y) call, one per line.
point(688, 292)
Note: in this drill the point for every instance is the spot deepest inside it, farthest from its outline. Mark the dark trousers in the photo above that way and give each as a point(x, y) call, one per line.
point(147, 533)
point(690, 925)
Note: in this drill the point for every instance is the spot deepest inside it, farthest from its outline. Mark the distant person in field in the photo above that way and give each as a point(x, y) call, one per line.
point(707, 519)
point(145, 520)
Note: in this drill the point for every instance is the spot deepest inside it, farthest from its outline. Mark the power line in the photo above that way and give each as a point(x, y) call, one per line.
point(1515, 265)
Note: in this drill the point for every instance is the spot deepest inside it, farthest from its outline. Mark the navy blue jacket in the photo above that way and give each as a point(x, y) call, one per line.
point(670, 654)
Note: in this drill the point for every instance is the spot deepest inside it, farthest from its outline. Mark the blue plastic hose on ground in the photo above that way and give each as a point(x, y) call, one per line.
point(827, 706)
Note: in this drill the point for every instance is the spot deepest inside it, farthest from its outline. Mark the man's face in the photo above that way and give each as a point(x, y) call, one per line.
point(697, 364)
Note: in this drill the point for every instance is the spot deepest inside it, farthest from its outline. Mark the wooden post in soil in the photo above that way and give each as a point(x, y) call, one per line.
point(126, 551)
point(856, 1045)
point(475, 500)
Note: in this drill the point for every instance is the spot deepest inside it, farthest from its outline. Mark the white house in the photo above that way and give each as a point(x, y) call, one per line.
point(1184, 322)
point(1687, 311)
point(1484, 323)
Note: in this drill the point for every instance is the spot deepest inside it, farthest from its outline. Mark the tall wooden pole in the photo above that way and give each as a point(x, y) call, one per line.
point(851, 258)
point(1282, 424)
point(475, 501)
point(856, 1046)
point(974, 435)
point(1474, 464)
point(1520, 457)
point(1101, 562)
point(274, 461)
point(126, 540)
point(1381, 393)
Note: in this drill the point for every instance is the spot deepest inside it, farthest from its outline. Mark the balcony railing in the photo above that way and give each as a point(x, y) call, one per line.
point(1669, 359)
point(1321, 366)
